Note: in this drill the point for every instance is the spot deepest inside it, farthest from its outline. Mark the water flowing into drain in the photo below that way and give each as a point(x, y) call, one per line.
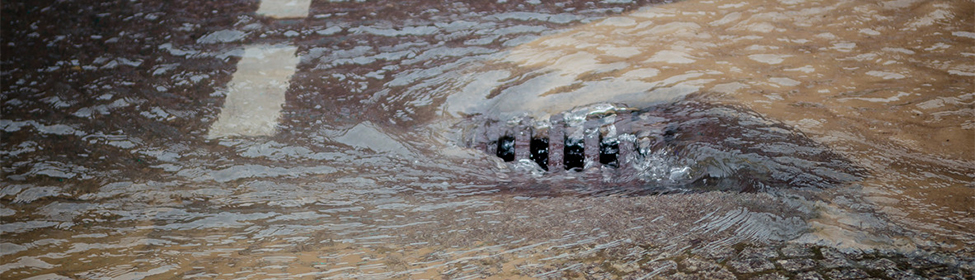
point(555, 145)
point(678, 146)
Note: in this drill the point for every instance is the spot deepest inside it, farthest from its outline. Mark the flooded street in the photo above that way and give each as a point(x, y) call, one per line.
point(753, 139)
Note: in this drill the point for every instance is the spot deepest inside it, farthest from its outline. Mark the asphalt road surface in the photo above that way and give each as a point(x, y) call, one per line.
point(338, 139)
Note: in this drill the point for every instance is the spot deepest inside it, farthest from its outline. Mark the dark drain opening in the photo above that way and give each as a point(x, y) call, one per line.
point(506, 148)
point(539, 152)
point(575, 154)
point(609, 153)
point(559, 144)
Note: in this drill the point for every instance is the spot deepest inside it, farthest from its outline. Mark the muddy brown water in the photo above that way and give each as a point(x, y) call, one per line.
point(108, 171)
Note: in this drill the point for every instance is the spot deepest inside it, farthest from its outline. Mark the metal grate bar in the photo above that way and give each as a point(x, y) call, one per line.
point(523, 138)
point(556, 143)
point(591, 142)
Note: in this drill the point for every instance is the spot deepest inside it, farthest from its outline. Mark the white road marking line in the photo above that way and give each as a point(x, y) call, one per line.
point(256, 92)
point(284, 8)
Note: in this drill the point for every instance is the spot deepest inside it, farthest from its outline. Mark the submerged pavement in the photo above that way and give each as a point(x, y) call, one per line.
point(321, 139)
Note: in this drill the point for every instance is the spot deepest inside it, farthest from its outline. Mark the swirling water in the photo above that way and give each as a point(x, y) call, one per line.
point(112, 169)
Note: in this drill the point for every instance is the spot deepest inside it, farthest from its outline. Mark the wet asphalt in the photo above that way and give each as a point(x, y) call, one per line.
point(106, 107)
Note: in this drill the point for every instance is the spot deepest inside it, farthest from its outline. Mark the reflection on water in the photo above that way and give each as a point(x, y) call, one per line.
point(108, 170)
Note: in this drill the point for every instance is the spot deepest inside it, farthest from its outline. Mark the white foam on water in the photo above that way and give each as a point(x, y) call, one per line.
point(222, 36)
point(769, 58)
point(284, 8)
point(58, 129)
point(641, 73)
point(898, 4)
point(256, 92)
point(729, 88)
point(251, 171)
point(35, 193)
point(654, 12)
point(220, 220)
point(677, 29)
point(11, 248)
point(804, 69)
point(869, 31)
point(529, 16)
point(393, 32)
point(844, 46)
point(624, 52)
point(729, 18)
point(883, 100)
point(885, 75)
point(20, 227)
point(931, 18)
point(278, 151)
point(673, 57)
point(329, 31)
point(141, 275)
point(961, 73)
point(898, 50)
point(733, 6)
point(965, 34)
point(617, 21)
point(939, 102)
point(4, 211)
point(784, 81)
point(25, 262)
point(49, 276)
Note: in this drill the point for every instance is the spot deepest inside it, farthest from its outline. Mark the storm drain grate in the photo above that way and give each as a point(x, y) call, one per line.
point(681, 146)
point(565, 143)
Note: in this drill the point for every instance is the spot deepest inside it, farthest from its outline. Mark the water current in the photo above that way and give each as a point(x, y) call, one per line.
point(130, 148)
